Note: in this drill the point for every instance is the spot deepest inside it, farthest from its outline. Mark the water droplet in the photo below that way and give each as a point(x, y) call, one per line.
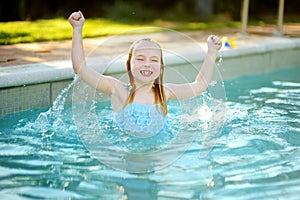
point(213, 83)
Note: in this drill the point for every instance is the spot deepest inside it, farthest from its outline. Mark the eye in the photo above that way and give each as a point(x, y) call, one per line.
point(140, 58)
point(154, 60)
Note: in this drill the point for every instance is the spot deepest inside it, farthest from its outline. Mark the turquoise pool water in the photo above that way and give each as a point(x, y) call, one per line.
point(257, 155)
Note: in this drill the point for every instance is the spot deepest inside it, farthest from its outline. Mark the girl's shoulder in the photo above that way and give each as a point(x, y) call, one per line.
point(167, 90)
point(119, 96)
point(122, 88)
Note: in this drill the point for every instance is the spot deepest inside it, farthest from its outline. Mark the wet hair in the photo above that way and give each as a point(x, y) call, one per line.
point(158, 89)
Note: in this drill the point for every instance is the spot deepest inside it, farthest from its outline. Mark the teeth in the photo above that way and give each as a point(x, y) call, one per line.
point(146, 72)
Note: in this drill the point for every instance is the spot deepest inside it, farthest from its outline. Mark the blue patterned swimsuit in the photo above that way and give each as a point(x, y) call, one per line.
point(141, 120)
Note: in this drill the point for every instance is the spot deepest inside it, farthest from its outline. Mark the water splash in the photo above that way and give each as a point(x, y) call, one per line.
point(55, 119)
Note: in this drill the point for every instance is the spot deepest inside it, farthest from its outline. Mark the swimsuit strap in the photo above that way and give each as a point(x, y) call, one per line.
point(129, 88)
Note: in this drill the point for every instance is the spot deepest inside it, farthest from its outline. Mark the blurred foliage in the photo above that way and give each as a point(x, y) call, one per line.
point(148, 10)
point(142, 10)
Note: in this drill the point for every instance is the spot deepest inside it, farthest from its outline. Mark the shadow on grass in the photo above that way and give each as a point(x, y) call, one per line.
point(5, 37)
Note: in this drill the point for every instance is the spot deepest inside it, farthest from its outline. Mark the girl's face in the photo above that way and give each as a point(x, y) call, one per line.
point(146, 62)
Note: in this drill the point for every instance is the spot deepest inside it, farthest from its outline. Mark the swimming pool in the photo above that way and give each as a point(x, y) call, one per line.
point(257, 155)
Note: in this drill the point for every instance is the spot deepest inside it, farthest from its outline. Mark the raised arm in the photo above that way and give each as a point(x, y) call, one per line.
point(203, 78)
point(102, 83)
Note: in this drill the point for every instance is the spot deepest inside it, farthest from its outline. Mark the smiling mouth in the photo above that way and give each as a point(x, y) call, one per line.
point(146, 73)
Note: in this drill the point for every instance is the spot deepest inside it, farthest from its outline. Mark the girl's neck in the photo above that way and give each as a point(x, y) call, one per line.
point(145, 88)
point(144, 94)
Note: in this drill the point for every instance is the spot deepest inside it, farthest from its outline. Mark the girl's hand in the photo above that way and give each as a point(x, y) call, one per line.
point(214, 43)
point(76, 19)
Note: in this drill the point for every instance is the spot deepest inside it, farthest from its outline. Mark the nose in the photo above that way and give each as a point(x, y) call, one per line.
point(147, 65)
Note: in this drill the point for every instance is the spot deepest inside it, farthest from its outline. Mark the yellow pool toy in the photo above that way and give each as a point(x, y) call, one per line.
point(231, 43)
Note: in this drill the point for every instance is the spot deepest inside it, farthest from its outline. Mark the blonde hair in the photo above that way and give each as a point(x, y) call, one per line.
point(158, 89)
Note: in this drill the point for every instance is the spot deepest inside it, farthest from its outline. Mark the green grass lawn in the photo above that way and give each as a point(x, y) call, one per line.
point(60, 29)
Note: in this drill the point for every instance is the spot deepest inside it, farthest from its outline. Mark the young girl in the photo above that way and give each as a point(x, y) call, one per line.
point(141, 105)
